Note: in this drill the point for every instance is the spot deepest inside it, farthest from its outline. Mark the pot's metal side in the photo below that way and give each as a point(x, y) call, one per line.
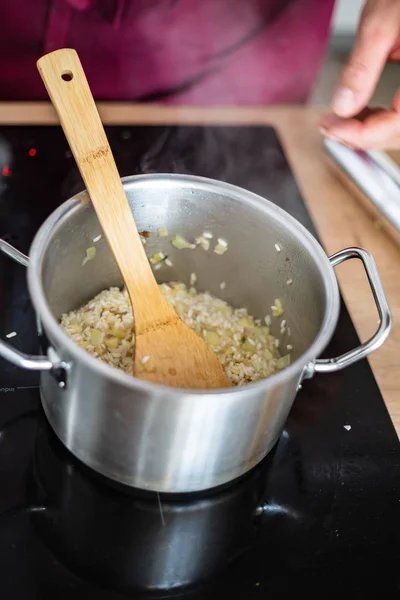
point(180, 443)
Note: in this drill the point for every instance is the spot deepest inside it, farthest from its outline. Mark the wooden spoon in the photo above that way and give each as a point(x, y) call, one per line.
point(167, 350)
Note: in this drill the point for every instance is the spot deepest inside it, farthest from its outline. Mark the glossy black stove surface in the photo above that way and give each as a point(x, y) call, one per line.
point(319, 516)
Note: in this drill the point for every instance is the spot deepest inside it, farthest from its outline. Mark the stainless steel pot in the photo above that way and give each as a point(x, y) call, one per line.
point(165, 439)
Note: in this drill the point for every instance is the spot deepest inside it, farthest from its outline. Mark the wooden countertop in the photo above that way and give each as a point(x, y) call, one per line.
point(339, 217)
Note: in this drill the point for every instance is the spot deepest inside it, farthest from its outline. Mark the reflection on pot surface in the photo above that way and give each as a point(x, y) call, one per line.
point(130, 539)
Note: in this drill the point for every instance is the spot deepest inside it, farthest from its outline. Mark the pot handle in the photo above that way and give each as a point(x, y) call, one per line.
point(20, 359)
point(385, 318)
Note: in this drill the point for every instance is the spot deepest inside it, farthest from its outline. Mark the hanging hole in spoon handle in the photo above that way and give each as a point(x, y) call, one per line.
point(67, 76)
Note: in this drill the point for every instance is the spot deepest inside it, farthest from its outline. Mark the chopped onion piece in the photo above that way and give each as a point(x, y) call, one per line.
point(193, 278)
point(277, 308)
point(118, 333)
point(145, 359)
point(283, 361)
point(203, 242)
point(157, 257)
point(222, 285)
point(162, 232)
point(180, 243)
point(96, 337)
point(76, 327)
point(90, 254)
point(168, 262)
point(244, 322)
point(213, 338)
point(249, 347)
point(112, 343)
point(221, 248)
point(208, 235)
point(97, 238)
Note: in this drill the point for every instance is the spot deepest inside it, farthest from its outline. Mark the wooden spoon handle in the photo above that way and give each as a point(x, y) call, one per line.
point(66, 83)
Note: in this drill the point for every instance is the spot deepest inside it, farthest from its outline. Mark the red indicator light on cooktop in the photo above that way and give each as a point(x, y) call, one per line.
point(6, 172)
point(32, 152)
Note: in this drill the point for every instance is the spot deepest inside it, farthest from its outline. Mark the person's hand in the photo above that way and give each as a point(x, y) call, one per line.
point(378, 41)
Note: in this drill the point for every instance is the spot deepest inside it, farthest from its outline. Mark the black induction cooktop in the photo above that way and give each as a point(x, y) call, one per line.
point(319, 516)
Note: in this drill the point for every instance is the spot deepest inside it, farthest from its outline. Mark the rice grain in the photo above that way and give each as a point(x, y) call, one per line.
point(104, 327)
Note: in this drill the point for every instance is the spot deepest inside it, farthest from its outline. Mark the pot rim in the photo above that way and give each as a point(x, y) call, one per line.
point(50, 323)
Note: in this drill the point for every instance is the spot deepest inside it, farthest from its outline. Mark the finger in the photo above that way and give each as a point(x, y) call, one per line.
point(364, 135)
point(376, 37)
point(329, 121)
point(381, 130)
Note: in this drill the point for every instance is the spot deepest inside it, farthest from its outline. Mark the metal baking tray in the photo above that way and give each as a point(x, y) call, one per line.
point(375, 179)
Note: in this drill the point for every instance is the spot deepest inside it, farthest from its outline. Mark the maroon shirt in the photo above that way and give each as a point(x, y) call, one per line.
point(176, 51)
